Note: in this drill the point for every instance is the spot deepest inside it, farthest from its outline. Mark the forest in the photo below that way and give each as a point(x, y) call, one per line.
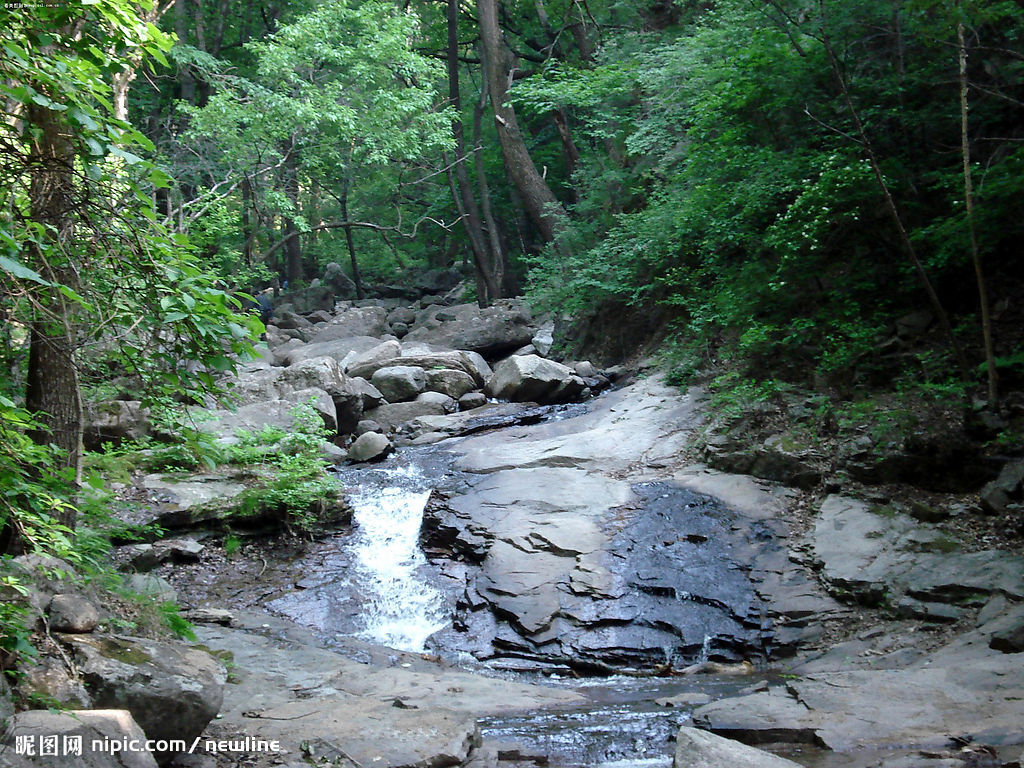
point(815, 195)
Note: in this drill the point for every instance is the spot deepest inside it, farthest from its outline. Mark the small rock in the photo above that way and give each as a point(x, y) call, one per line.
point(927, 513)
point(472, 400)
point(1010, 639)
point(211, 616)
point(937, 612)
point(71, 613)
point(152, 586)
point(367, 425)
point(369, 446)
point(683, 700)
point(437, 398)
point(399, 383)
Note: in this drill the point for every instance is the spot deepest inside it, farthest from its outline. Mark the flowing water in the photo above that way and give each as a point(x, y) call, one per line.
point(401, 609)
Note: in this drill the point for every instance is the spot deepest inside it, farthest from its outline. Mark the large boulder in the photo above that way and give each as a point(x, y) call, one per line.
point(449, 381)
point(293, 351)
point(699, 749)
point(172, 690)
point(392, 416)
point(365, 364)
point(529, 378)
point(369, 446)
point(114, 422)
point(399, 383)
point(469, 363)
point(496, 330)
point(49, 739)
point(307, 300)
point(339, 282)
point(354, 321)
point(1005, 489)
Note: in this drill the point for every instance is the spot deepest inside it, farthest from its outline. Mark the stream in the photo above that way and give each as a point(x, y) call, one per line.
point(374, 584)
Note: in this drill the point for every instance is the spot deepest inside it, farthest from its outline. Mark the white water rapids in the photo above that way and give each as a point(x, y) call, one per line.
point(401, 610)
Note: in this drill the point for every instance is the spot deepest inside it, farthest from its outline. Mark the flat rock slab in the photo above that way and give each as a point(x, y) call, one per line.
point(866, 551)
point(371, 733)
point(285, 686)
point(917, 708)
point(699, 749)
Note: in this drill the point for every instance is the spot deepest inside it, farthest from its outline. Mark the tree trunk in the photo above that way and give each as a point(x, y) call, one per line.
point(247, 238)
point(52, 391)
point(293, 244)
point(965, 151)
point(356, 277)
point(483, 263)
point(499, 254)
point(541, 204)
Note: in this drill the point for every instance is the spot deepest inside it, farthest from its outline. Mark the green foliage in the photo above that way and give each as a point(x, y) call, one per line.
point(231, 545)
point(175, 622)
point(298, 491)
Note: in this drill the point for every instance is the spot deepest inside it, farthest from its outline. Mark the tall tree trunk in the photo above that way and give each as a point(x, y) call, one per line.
point(488, 289)
point(965, 150)
point(293, 244)
point(247, 238)
point(52, 391)
point(499, 254)
point(541, 204)
point(356, 277)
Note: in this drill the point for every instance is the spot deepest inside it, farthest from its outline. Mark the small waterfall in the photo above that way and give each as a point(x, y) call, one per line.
point(401, 609)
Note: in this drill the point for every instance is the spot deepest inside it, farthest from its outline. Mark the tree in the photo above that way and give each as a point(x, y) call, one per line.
point(84, 263)
point(336, 93)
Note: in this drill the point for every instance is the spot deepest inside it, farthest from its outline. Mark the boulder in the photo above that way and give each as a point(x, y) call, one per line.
point(491, 331)
point(366, 363)
point(355, 321)
point(405, 315)
point(390, 417)
point(399, 383)
point(288, 320)
point(146, 557)
point(472, 400)
point(307, 300)
point(448, 403)
point(171, 689)
point(152, 586)
point(367, 425)
point(997, 495)
point(369, 446)
point(530, 378)
point(544, 339)
point(105, 726)
point(294, 352)
point(449, 381)
point(699, 749)
point(72, 613)
point(339, 282)
point(370, 395)
point(48, 679)
point(114, 422)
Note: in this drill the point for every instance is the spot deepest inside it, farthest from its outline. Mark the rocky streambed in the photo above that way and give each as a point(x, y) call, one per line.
point(523, 584)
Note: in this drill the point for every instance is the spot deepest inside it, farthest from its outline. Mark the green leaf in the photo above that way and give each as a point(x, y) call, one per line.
point(20, 271)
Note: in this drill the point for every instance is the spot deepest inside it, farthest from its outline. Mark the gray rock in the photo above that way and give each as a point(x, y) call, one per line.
point(355, 321)
point(369, 446)
point(912, 325)
point(390, 417)
point(447, 403)
point(211, 616)
point(405, 315)
point(934, 612)
point(529, 378)
point(287, 320)
point(544, 339)
point(339, 349)
point(366, 363)
point(472, 400)
point(152, 586)
point(399, 383)
point(367, 425)
point(50, 681)
point(72, 613)
point(449, 381)
point(1009, 638)
point(172, 690)
point(998, 494)
point(699, 749)
point(338, 281)
point(114, 422)
point(492, 331)
point(370, 395)
point(112, 725)
point(586, 369)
